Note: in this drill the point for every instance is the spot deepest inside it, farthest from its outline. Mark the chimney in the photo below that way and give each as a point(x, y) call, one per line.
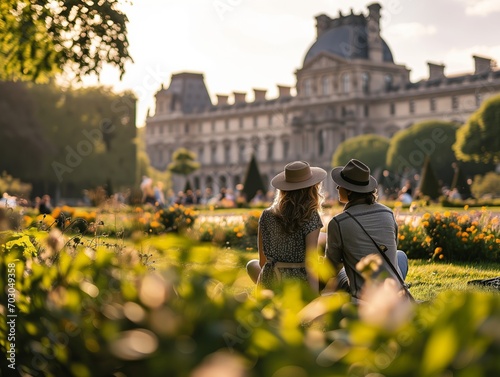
point(259, 95)
point(481, 64)
point(375, 52)
point(436, 71)
point(239, 97)
point(322, 24)
point(284, 91)
point(222, 99)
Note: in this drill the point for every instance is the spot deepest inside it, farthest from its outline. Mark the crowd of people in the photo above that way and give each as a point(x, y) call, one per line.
point(153, 193)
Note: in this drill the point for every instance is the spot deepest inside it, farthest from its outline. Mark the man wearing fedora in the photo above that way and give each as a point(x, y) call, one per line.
point(290, 227)
point(364, 227)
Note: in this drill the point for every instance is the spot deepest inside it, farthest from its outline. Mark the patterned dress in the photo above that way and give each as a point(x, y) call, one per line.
point(282, 247)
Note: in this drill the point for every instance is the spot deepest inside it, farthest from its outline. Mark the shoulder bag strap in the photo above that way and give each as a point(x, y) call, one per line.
point(382, 249)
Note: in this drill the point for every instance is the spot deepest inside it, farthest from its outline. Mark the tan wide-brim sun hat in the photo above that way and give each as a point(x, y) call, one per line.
point(355, 176)
point(298, 175)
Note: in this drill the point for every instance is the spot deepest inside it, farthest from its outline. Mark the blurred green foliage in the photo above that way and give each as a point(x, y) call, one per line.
point(370, 148)
point(84, 310)
point(479, 140)
point(487, 185)
point(69, 139)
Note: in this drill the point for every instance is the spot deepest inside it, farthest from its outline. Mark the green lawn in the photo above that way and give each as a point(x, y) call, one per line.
point(427, 279)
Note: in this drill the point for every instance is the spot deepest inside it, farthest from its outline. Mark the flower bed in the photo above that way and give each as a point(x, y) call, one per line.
point(452, 236)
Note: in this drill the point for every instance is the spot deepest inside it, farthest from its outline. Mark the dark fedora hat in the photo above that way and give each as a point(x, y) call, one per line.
point(355, 176)
point(298, 175)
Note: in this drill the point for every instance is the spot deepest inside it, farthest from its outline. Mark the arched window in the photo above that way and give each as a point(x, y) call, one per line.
point(346, 83)
point(270, 150)
point(223, 181)
point(388, 81)
point(213, 154)
point(307, 87)
point(241, 152)
point(325, 85)
point(209, 182)
point(286, 148)
point(321, 142)
point(365, 82)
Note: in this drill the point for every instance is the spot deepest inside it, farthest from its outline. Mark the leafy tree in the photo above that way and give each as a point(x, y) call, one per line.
point(40, 38)
point(408, 149)
point(429, 185)
point(253, 180)
point(487, 185)
point(371, 149)
point(70, 140)
point(479, 139)
point(183, 163)
point(22, 141)
point(460, 181)
point(94, 136)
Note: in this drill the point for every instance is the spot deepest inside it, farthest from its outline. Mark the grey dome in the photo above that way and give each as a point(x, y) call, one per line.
point(349, 41)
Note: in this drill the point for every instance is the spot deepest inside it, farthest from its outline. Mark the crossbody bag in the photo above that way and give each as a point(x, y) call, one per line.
point(382, 249)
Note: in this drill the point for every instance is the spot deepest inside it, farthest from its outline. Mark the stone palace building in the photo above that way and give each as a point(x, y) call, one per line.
point(348, 85)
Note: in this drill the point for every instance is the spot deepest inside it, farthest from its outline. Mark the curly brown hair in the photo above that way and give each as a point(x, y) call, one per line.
point(294, 208)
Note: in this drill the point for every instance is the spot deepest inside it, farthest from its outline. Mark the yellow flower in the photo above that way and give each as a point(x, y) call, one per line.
point(466, 207)
point(27, 220)
point(56, 212)
point(401, 237)
point(438, 250)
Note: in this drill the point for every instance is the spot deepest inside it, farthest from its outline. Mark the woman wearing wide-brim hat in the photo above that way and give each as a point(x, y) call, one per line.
point(363, 224)
point(290, 227)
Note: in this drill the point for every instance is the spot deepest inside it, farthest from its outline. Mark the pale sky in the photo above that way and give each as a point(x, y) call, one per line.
point(243, 44)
